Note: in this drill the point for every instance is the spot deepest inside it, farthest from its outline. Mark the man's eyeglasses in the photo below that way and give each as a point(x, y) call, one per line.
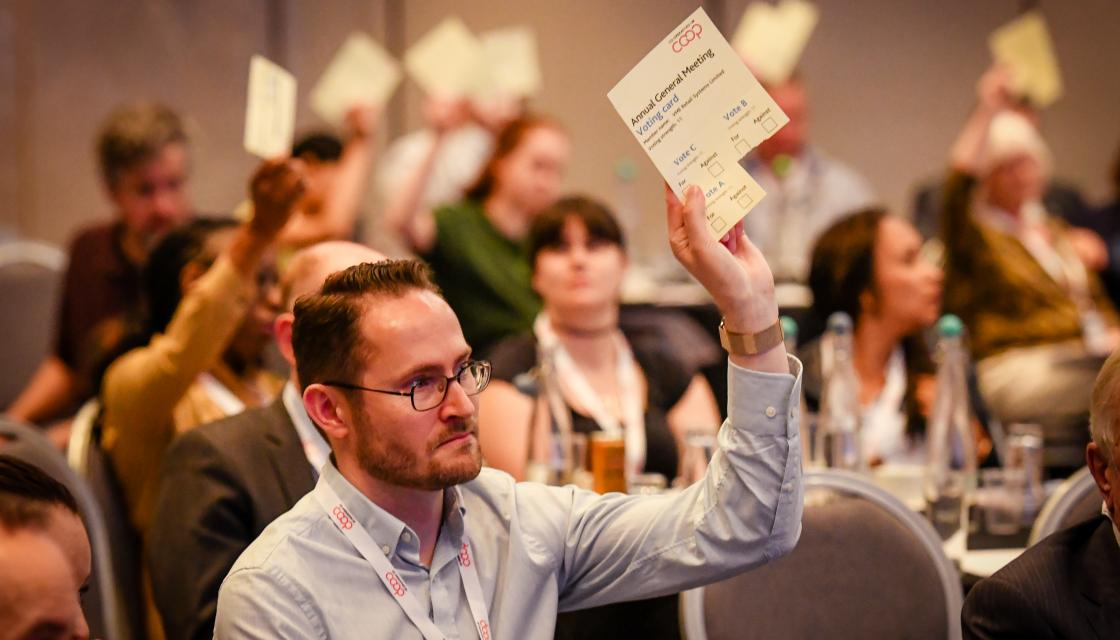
point(429, 392)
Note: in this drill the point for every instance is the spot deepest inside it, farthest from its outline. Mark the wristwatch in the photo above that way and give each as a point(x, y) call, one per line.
point(751, 344)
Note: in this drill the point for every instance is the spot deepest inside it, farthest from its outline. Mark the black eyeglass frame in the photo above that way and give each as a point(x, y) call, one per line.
point(485, 369)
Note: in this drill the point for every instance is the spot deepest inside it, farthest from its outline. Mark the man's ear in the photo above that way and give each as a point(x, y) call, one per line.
point(327, 408)
point(282, 329)
point(1094, 457)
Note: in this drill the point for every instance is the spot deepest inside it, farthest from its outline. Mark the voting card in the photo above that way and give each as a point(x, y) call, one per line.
point(270, 114)
point(772, 38)
point(510, 64)
point(446, 60)
point(696, 110)
point(361, 73)
point(1025, 46)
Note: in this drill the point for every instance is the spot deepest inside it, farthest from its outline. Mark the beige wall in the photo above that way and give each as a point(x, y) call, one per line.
point(890, 83)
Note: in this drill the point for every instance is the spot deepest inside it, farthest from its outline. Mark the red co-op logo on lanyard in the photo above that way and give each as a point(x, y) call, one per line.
point(465, 556)
point(691, 33)
point(395, 583)
point(344, 519)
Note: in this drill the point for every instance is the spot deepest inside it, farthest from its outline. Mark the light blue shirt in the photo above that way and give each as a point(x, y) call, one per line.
point(538, 549)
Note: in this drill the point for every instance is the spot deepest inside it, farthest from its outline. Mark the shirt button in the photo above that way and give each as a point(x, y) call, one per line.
point(406, 536)
point(771, 412)
point(385, 549)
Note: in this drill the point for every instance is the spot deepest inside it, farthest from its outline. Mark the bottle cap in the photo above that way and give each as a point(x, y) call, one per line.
point(950, 326)
point(840, 322)
point(789, 328)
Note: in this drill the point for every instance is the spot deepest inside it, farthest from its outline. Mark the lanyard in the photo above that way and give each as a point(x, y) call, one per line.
point(632, 428)
point(360, 538)
point(226, 400)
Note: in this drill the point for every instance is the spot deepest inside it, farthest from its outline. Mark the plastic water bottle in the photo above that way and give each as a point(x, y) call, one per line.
point(950, 475)
point(838, 432)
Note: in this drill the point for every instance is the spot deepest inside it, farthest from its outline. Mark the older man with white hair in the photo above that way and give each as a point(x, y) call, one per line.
point(223, 482)
point(1040, 323)
point(1068, 585)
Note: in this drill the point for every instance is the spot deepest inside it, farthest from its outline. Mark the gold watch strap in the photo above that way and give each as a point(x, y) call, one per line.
point(751, 344)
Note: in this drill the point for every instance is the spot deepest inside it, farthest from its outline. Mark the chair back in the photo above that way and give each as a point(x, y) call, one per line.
point(1075, 500)
point(90, 461)
point(28, 444)
point(30, 279)
point(865, 566)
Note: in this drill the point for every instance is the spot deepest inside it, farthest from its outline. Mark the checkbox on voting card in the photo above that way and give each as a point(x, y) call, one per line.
point(741, 148)
point(769, 125)
point(745, 201)
point(715, 168)
point(718, 224)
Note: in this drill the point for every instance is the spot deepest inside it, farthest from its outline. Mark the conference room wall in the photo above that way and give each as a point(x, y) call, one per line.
point(890, 84)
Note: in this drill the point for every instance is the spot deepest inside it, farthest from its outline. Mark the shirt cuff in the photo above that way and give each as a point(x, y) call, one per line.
point(764, 403)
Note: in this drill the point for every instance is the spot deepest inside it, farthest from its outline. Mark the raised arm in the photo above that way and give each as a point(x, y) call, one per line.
point(747, 508)
point(407, 215)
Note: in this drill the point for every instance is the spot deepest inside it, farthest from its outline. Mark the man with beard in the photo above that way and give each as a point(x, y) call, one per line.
point(406, 535)
point(142, 152)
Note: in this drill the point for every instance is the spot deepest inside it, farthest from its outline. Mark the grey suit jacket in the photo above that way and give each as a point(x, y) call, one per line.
point(1066, 586)
point(221, 485)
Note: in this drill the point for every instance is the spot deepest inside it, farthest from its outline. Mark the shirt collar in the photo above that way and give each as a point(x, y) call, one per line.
point(1115, 530)
point(315, 447)
point(391, 534)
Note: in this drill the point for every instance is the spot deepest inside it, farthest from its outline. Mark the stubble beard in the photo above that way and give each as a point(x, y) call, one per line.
point(391, 463)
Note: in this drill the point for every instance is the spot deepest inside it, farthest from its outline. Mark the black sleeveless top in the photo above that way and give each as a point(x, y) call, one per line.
point(667, 379)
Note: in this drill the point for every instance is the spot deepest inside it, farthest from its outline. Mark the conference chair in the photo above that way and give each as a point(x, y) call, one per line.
point(866, 566)
point(86, 457)
point(1075, 500)
point(28, 444)
point(30, 279)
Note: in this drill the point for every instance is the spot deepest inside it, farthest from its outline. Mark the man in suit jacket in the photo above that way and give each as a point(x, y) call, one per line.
point(1068, 585)
point(224, 482)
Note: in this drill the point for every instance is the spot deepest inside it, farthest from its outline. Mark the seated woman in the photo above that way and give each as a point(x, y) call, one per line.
point(1039, 320)
point(870, 266)
point(607, 382)
point(476, 247)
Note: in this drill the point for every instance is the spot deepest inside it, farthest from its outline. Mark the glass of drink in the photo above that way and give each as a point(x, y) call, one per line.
point(608, 462)
point(1002, 499)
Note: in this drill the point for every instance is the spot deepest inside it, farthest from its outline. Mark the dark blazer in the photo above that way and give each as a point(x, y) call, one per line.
point(222, 484)
point(1066, 586)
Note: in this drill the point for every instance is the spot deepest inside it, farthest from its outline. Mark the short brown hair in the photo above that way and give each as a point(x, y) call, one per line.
point(547, 229)
point(325, 336)
point(27, 495)
point(133, 134)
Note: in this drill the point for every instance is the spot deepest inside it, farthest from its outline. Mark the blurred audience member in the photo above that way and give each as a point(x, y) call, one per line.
point(44, 556)
point(607, 383)
point(870, 266)
point(437, 164)
point(142, 153)
point(211, 299)
point(1105, 221)
point(476, 247)
point(807, 190)
point(336, 177)
point(1067, 585)
point(232, 477)
point(1039, 321)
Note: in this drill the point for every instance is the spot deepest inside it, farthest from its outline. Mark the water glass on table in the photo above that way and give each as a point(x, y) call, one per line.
point(1001, 499)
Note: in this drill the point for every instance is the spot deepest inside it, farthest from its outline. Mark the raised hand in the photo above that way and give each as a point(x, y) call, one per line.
point(276, 187)
point(733, 270)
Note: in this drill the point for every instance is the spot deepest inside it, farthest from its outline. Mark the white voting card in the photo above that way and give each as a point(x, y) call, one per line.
point(361, 73)
point(696, 110)
point(446, 60)
point(772, 38)
point(270, 113)
point(1024, 45)
point(510, 64)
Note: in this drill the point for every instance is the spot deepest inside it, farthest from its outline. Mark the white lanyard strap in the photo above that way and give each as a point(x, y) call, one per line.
point(226, 400)
point(394, 584)
point(571, 379)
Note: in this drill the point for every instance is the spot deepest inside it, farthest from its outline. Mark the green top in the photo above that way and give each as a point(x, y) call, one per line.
point(484, 275)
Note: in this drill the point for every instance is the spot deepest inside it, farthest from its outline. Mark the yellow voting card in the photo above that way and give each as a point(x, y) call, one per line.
point(446, 60)
point(270, 112)
point(361, 73)
point(1025, 46)
point(772, 38)
point(696, 110)
point(510, 64)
